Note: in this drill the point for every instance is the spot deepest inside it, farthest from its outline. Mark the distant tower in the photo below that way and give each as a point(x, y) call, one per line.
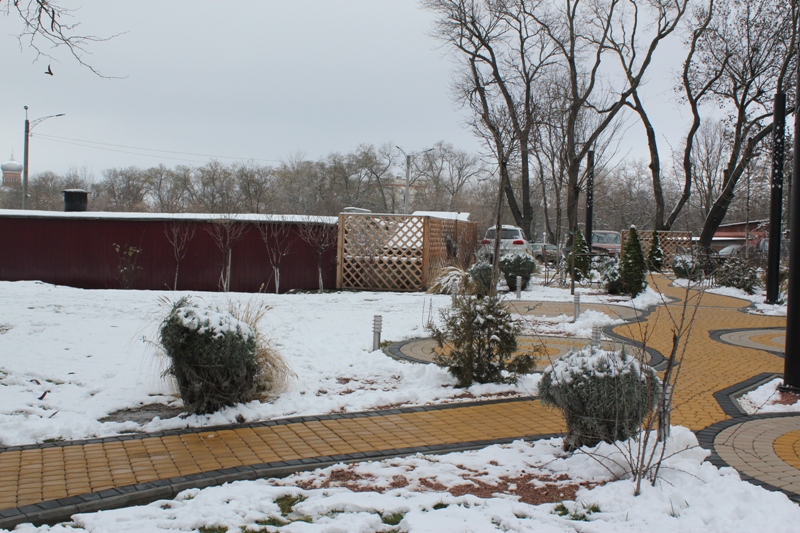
point(12, 172)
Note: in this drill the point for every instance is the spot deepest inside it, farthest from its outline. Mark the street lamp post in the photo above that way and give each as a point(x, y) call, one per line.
point(29, 125)
point(408, 175)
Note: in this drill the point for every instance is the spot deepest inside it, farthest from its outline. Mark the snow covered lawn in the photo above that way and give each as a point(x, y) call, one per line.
point(70, 357)
point(768, 399)
point(518, 487)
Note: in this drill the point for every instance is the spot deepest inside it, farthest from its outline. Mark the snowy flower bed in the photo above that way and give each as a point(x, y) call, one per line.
point(521, 487)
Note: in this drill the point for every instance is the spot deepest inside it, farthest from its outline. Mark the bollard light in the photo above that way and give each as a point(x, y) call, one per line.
point(377, 323)
point(519, 287)
point(577, 307)
point(596, 335)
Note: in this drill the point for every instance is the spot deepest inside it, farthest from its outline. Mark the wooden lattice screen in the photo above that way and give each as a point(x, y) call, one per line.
point(399, 252)
point(672, 243)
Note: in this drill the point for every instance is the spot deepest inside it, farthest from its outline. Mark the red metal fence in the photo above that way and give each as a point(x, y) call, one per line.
point(79, 251)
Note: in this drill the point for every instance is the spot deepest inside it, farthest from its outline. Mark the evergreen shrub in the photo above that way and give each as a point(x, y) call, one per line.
point(612, 281)
point(517, 264)
point(578, 256)
point(604, 396)
point(686, 267)
point(655, 256)
point(217, 359)
point(481, 274)
point(632, 266)
point(479, 338)
point(739, 273)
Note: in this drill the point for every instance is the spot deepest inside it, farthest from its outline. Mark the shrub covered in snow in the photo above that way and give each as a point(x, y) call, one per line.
point(578, 256)
point(609, 269)
point(655, 256)
point(451, 279)
point(604, 396)
point(517, 264)
point(478, 338)
point(686, 267)
point(481, 274)
point(739, 273)
point(216, 358)
point(632, 265)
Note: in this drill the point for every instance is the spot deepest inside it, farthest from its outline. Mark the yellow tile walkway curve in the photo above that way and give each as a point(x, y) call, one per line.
point(42, 474)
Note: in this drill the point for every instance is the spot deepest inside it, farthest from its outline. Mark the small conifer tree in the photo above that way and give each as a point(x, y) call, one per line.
point(655, 257)
point(579, 257)
point(478, 337)
point(632, 266)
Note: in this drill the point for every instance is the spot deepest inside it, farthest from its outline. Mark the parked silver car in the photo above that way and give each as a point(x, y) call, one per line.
point(512, 239)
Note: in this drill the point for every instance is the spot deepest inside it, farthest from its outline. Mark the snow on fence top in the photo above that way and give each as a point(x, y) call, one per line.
point(239, 217)
point(447, 215)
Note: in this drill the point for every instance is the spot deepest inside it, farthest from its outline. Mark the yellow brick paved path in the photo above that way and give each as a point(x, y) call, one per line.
point(63, 472)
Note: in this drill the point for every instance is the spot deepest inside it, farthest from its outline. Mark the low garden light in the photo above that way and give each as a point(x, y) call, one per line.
point(377, 323)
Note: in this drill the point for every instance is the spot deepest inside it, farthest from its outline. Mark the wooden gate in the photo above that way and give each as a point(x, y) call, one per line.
point(382, 252)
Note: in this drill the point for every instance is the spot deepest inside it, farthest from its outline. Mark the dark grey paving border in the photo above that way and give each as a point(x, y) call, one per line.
point(726, 398)
point(267, 423)
point(716, 334)
point(706, 437)
point(61, 510)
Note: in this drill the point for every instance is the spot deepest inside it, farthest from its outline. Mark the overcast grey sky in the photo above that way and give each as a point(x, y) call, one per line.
point(260, 80)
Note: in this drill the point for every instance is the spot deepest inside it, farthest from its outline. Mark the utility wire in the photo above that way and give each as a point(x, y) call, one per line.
point(100, 145)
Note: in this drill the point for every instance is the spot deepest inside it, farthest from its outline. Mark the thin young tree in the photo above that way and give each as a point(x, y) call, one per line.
point(279, 240)
point(225, 232)
point(179, 233)
point(321, 237)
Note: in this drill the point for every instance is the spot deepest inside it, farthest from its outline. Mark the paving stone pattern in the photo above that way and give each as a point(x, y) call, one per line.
point(49, 482)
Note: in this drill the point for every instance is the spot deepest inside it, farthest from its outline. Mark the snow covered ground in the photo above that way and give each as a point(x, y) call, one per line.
point(518, 487)
point(768, 399)
point(70, 357)
point(759, 307)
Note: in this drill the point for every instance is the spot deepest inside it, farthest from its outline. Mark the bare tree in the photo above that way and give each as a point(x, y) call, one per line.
point(166, 189)
point(179, 233)
point(254, 183)
point(122, 189)
point(47, 25)
point(279, 240)
point(752, 43)
point(225, 232)
point(504, 52)
point(445, 171)
point(321, 237)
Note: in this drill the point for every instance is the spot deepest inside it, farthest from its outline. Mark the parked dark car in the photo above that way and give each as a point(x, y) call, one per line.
point(544, 252)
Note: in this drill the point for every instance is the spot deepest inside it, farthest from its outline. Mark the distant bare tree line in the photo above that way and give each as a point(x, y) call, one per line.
point(444, 179)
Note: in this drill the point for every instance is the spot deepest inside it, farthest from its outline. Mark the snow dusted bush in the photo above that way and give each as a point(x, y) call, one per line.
point(739, 273)
point(451, 279)
point(217, 358)
point(479, 338)
point(604, 396)
point(686, 267)
point(632, 265)
point(655, 257)
point(481, 274)
point(579, 258)
point(517, 264)
point(612, 281)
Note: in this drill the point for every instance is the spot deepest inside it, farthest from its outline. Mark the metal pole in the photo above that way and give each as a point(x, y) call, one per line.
point(791, 364)
point(577, 302)
point(776, 198)
point(589, 196)
point(519, 287)
point(25, 162)
point(408, 182)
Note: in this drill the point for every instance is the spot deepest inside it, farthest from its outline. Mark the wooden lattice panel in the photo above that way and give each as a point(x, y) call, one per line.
point(672, 243)
point(399, 252)
point(381, 252)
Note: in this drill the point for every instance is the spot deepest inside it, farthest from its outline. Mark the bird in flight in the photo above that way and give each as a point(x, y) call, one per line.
point(49, 71)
